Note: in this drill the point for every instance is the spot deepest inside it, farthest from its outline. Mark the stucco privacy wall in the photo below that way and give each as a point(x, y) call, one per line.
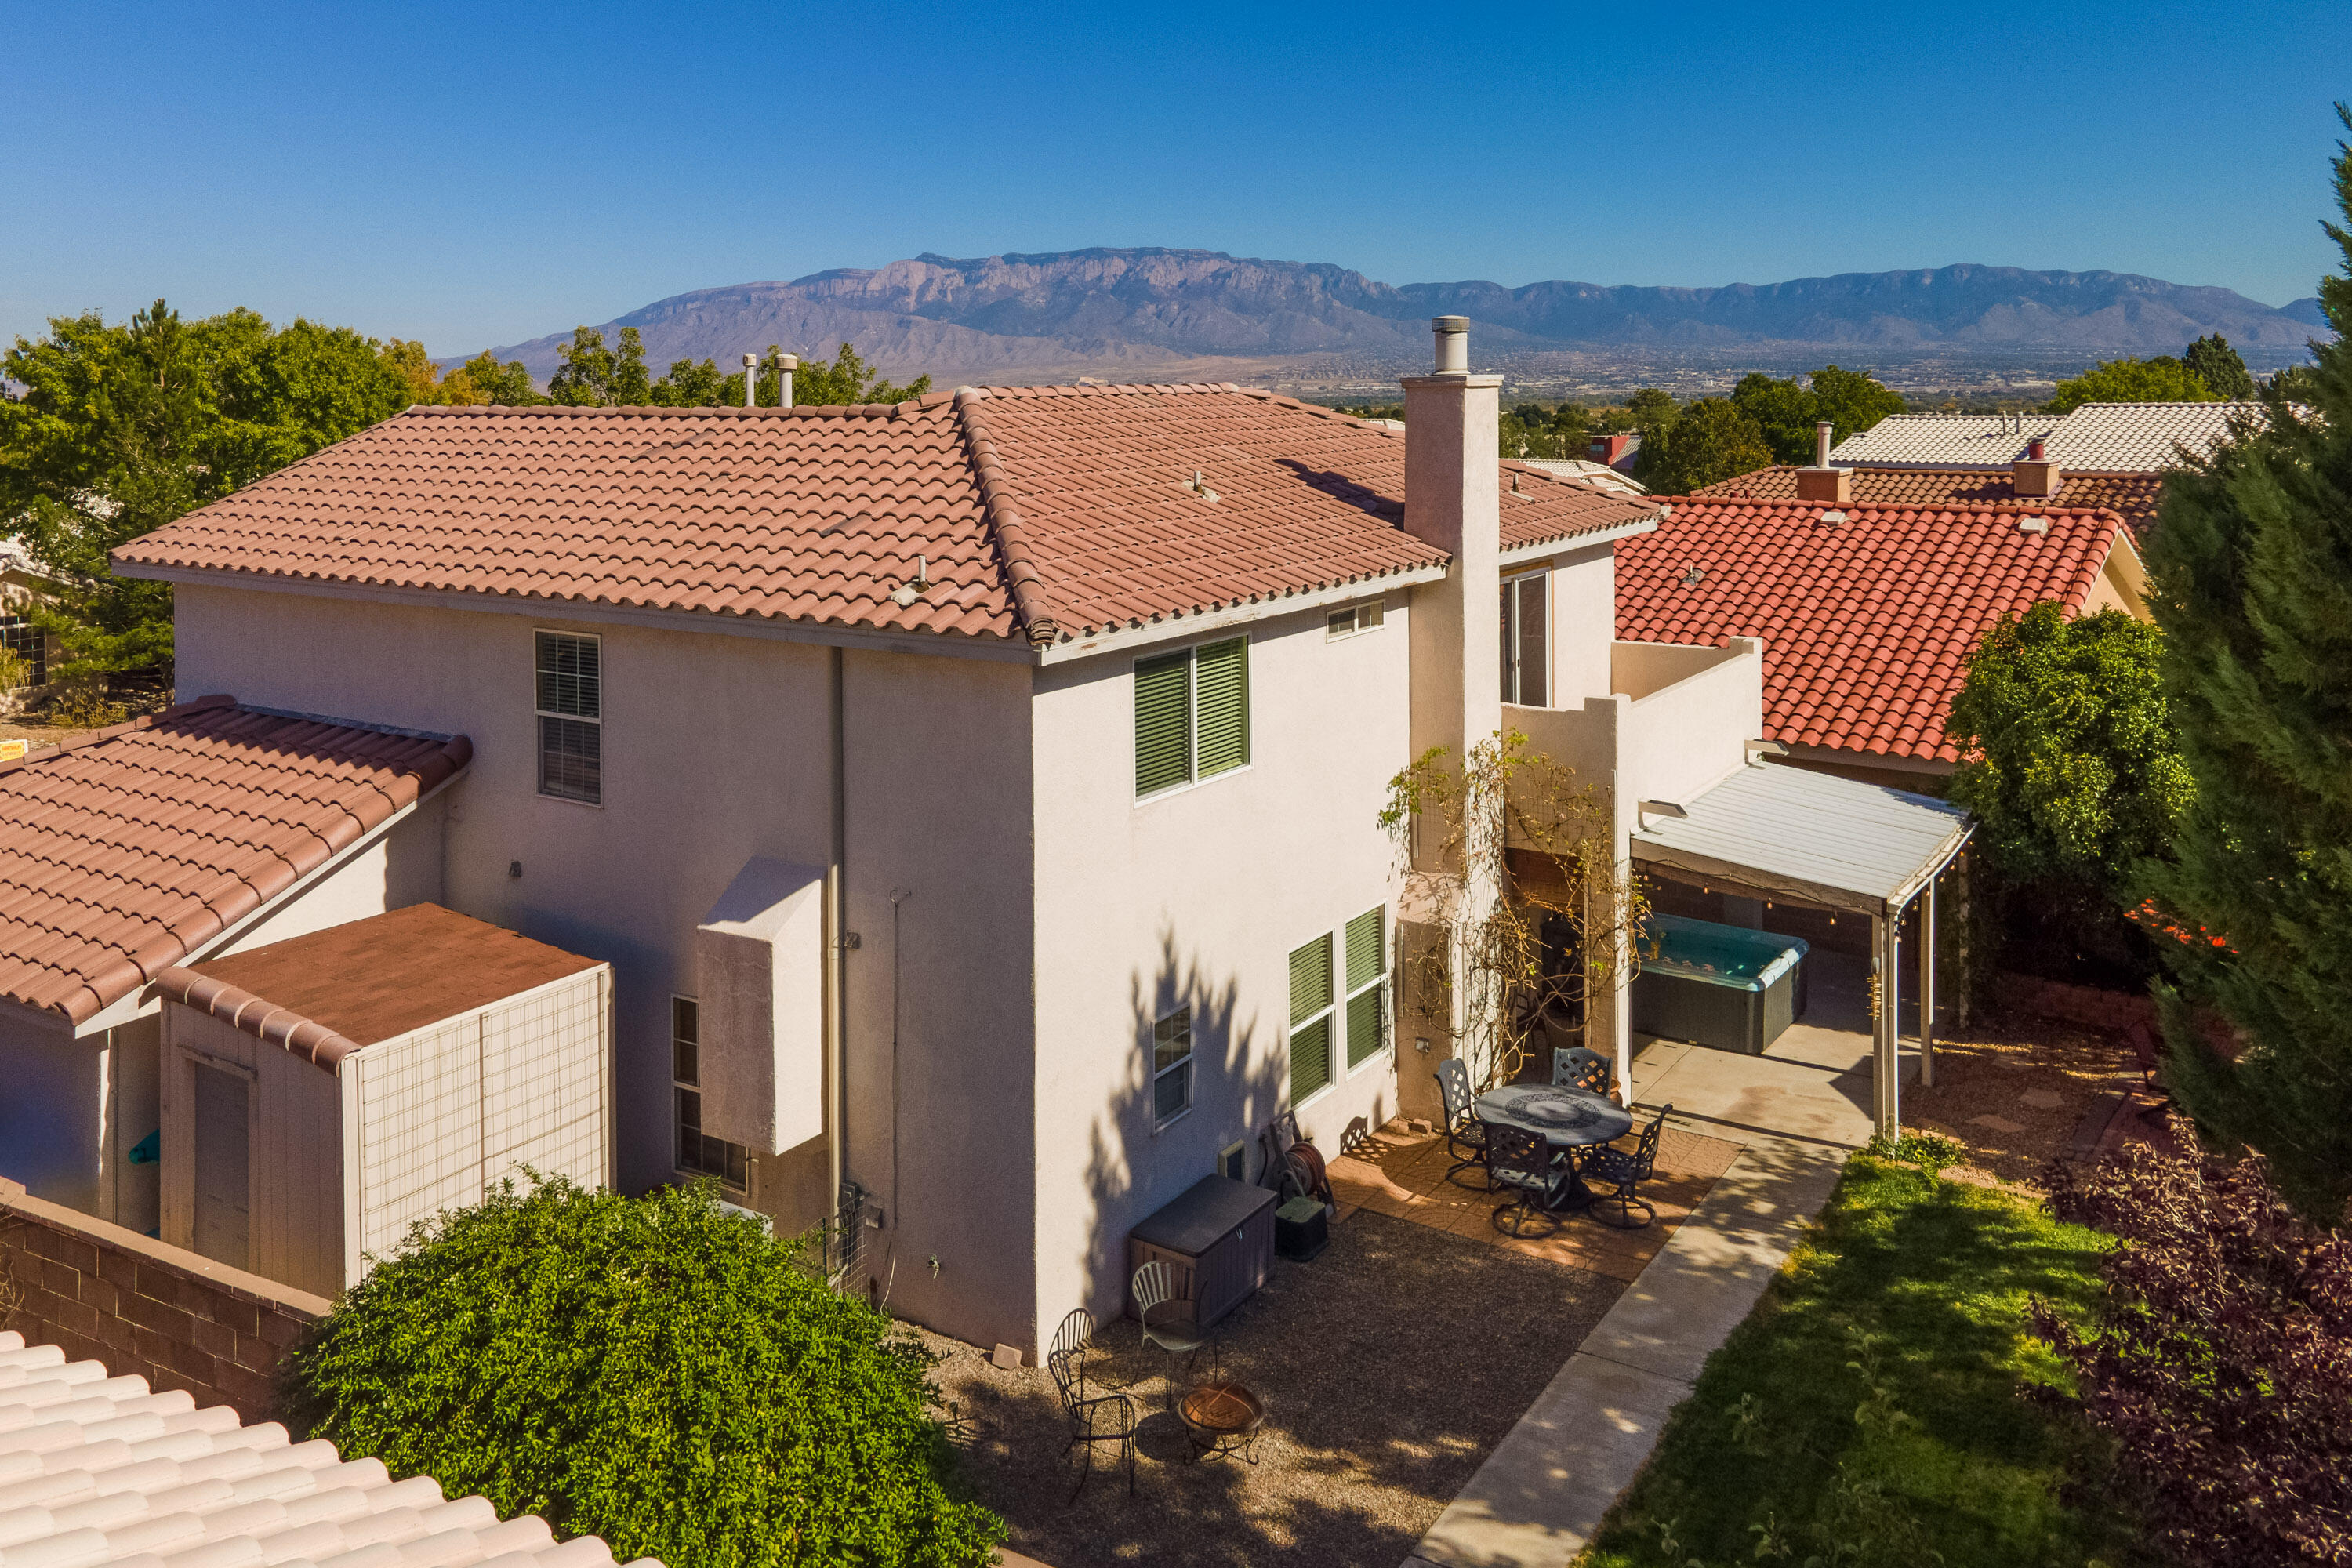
point(72, 1109)
point(1197, 896)
point(716, 749)
point(100, 1292)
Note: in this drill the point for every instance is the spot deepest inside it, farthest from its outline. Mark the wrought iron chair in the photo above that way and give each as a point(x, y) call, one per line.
point(1573, 1067)
point(1466, 1135)
point(1093, 1418)
point(1521, 1161)
point(1172, 1330)
point(1624, 1172)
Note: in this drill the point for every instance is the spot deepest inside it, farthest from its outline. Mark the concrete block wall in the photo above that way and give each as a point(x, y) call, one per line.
point(99, 1292)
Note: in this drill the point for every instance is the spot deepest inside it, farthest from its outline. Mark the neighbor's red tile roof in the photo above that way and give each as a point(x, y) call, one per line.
point(1866, 623)
point(2132, 497)
point(122, 854)
point(1045, 512)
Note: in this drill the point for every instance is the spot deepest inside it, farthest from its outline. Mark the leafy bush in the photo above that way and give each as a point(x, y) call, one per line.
point(2222, 1359)
point(656, 1371)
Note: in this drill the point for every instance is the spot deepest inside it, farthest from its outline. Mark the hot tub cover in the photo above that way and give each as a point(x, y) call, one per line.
point(1806, 835)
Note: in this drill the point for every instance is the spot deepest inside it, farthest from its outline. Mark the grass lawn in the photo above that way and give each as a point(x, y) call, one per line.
point(1869, 1411)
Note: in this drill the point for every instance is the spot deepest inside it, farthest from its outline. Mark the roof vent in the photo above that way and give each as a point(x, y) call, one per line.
point(1200, 488)
point(1452, 344)
point(2032, 525)
point(1833, 516)
point(1693, 577)
point(906, 594)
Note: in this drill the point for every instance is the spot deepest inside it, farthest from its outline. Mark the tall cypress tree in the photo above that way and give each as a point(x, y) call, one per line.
point(2251, 564)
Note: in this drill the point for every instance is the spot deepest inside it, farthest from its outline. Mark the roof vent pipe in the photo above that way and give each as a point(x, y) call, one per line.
point(2034, 450)
point(1822, 429)
point(786, 363)
point(750, 379)
point(1452, 344)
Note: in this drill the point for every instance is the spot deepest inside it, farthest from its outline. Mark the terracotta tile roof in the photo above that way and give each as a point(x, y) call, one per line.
point(122, 854)
point(1866, 623)
point(1045, 512)
point(104, 1469)
point(2132, 497)
point(327, 994)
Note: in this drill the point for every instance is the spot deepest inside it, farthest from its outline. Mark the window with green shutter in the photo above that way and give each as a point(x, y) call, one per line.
point(1368, 964)
point(1310, 1019)
point(1221, 686)
point(1163, 722)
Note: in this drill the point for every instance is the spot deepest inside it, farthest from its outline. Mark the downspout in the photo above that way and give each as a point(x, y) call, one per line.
point(836, 969)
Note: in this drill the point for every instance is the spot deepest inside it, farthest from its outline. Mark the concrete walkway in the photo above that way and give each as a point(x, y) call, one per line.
point(1799, 1110)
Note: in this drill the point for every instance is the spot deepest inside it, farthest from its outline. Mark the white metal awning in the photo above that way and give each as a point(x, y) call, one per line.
point(1806, 835)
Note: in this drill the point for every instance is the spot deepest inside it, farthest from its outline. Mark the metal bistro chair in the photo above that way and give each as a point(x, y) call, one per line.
point(1466, 1135)
point(1625, 1172)
point(1093, 1418)
point(1521, 1160)
point(1573, 1067)
point(1155, 1290)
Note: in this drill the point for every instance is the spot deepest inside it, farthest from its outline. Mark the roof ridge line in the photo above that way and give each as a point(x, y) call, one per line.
point(266, 1021)
point(1021, 578)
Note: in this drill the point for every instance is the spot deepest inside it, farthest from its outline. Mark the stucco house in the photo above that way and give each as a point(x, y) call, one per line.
point(975, 799)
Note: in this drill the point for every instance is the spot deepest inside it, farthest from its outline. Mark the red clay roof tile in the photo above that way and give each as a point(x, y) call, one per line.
point(2132, 497)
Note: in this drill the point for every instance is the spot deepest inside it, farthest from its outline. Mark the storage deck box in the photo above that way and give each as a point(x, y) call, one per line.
point(1218, 1240)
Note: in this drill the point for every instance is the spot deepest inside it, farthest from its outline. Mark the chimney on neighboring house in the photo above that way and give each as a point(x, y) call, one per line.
point(789, 362)
point(750, 380)
point(1821, 482)
point(2034, 474)
point(1453, 499)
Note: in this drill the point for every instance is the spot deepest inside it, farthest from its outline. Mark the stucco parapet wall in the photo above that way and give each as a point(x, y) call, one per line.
point(1645, 670)
point(242, 1010)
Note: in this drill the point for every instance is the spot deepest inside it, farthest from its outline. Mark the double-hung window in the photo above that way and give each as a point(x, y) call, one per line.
point(1368, 972)
point(1192, 715)
point(1172, 1066)
point(1310, 1019)
point(1526, 652)
point(570, 706)
point(697, 1154)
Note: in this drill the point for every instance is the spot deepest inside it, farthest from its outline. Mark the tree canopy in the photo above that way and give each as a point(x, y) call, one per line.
point(2212, 360)
point(1710, 441)
point(593, 374)
point(2163, 379)
point(1786, 411)
point(2252, 567)
point(658, 1370)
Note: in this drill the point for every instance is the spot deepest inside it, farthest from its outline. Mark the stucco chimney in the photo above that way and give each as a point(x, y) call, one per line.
point(2034, 474)
point(1453, 499)
point(1821, 482)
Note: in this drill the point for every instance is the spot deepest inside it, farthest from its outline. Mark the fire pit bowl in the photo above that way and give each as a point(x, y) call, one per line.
point(1223, 1418)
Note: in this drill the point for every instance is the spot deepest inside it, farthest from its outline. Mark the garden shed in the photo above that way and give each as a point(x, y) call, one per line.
point(323, 1094)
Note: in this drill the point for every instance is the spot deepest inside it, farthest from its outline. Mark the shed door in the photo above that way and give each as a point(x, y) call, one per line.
point(224, 1169)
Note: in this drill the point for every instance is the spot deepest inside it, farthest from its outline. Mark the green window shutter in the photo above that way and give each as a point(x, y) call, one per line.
point(1163, 722)
point(1367, 947)
point(1223, 696)
point(1310, 1058)
point(1367, 1023)
point(1310, 979)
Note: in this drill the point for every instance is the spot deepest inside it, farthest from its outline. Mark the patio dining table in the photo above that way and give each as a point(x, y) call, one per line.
point(1566, 1119)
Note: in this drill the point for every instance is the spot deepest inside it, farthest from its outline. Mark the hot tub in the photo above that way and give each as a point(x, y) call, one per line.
point(1725, 986)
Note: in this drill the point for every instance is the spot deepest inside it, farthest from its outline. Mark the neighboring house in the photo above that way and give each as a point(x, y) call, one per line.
point(1867, 614)
point(976, 799)
point(1597, 474)
point(22, 585)
point(1617, 451)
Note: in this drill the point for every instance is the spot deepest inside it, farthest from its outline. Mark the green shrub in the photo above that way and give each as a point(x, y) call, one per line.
point(656, 1371)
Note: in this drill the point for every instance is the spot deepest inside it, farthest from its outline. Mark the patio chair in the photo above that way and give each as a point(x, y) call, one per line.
point(1521, 1161)
point(1573, 1067)
point(1093, 1418)
point(1172, 1329)
point(1625, 1172)
point(1466, 1135)
point(2144, 1050)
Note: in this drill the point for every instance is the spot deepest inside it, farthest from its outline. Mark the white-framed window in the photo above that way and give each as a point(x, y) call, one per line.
point(1368, 974)
point(568, 679)
point(1172, 1066)
point(1527, 642)
point(699, 1154)
point(1354, 618)
point(1311, 1014)
point(1192, 715)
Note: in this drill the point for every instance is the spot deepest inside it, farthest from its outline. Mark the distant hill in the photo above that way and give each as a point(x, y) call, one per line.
point(2307, 311)
point(1141, 311)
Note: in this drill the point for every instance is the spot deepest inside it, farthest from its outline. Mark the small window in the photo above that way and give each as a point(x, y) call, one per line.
point(1526, 658)
point(1368, 972)
point(1310, 1019)
point(1172, 1066)
point(1192, 715)
point(30, 644)
point(570, 706)
point(1355, 618)
point(697, 1154)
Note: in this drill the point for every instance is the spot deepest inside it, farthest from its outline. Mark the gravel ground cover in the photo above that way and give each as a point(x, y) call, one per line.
point(1390, 1366)
point(2014, 1092)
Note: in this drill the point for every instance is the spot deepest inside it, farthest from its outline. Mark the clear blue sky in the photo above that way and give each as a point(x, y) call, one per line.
point(481, 173)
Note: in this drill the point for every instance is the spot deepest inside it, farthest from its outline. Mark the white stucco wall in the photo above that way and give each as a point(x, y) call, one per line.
point(1690, 726)
point(1198, 896)
point(716, 750)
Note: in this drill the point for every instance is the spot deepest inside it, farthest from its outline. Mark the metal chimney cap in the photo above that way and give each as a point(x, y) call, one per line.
point(1450, 323)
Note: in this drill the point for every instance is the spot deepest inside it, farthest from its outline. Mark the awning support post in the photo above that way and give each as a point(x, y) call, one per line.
point(1928, 984)
point(1887, 1058)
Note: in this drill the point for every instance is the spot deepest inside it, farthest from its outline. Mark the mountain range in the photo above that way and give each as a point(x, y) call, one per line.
point(1153, 311)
